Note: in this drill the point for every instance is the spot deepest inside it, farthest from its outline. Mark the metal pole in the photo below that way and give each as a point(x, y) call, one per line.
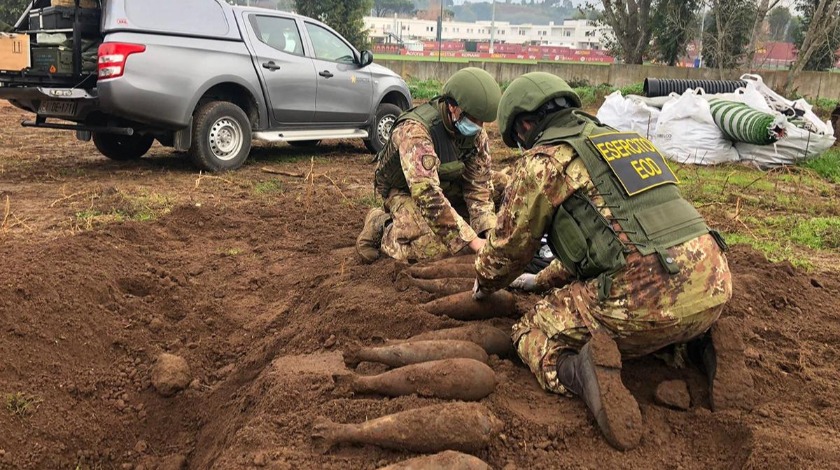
point(440, 29)
point(700, 45)
point(493, 27)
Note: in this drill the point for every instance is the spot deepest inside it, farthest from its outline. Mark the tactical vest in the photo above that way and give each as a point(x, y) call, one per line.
point(452, 153)
point(639, 190)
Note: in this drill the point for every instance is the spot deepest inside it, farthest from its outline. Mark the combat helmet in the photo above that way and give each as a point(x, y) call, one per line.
point(527, 94)
point(475, 91)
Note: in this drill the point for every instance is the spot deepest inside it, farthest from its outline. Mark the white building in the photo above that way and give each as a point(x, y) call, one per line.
point(576, 34)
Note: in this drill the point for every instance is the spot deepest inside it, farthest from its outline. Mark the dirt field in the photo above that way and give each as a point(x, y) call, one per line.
point(251, 277)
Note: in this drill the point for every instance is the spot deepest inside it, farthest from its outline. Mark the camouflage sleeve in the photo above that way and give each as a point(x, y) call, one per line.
point(537, 187)
point(478, 186)
point(420, 164)
point(554, 275)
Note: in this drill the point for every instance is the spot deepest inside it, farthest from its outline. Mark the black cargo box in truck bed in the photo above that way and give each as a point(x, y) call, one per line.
point(65, 35)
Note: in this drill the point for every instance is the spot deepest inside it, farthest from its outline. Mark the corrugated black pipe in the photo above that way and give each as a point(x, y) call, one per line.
point(665, 86)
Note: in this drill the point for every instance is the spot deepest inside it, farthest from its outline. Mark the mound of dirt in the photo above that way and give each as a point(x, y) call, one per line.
point(85, 317)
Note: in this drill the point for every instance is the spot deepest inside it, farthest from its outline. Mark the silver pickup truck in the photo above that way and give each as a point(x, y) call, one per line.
point(202, 76)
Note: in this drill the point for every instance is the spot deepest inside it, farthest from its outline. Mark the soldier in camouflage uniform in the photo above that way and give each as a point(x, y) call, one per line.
point(434, 175)
point(636, 268)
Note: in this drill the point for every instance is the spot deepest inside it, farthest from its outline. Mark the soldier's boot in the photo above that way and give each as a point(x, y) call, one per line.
point(595, 376)
point(721, 355)
point(368, 242)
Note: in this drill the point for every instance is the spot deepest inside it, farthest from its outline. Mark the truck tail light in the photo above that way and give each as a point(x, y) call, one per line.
point(112, 58)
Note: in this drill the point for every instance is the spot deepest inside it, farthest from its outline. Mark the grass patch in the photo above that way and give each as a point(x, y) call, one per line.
point(119, 206)
point(424, 89)
point(819, 233)
point(21, 405)
point(269, 187)
point(786, 214)
point(369, 200)
point(461, 60)
point(826, 165)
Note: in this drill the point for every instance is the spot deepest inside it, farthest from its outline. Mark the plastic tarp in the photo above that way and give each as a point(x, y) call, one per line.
point(687, 133)
point(807, 136)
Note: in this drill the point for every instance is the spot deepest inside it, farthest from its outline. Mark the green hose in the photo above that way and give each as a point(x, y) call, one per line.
point(741, 123)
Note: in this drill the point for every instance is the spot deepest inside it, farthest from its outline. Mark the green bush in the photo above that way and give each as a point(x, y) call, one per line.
point(424, 89)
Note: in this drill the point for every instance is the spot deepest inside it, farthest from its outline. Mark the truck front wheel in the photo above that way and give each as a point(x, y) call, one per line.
point(221, 138)
point(122, 147)
point(380, 131)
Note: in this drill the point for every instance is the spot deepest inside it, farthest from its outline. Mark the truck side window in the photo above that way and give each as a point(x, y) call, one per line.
point(279, 33)
point(328, 46)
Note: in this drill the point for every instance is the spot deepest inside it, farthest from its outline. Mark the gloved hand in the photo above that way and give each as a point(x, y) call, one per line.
point(526, 282)
point(479, 294)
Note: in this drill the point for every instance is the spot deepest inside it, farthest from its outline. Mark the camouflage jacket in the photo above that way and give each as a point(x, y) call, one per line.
point(543, 179)
point(420, 166)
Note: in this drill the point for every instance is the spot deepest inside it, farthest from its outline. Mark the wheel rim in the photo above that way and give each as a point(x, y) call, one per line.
point(225, 138)
point(383, 129)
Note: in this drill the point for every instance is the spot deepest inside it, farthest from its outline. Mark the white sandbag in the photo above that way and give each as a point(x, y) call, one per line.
point(626, 114)
point(799, 145)
point(686, 132)
point(807, 135)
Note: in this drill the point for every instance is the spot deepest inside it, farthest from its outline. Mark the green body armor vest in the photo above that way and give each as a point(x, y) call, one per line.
point(451, 152)
point(638, 188)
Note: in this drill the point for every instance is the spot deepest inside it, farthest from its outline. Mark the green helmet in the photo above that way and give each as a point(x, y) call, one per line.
point(475, 91)
point(527, 94)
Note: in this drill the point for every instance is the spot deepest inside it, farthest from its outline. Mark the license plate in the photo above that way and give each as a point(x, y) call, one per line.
point(58, 108)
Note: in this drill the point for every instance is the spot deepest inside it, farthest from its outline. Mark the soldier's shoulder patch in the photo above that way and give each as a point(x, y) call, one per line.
point(429, 162)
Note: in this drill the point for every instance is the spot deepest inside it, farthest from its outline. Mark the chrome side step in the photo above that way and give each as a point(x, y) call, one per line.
point(291, 136)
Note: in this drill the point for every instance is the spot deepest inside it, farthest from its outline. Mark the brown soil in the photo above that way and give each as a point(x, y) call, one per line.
point(260, 291)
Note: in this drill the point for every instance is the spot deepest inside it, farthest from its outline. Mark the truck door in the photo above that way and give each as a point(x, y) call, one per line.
point(288, 74)
point(345, 90)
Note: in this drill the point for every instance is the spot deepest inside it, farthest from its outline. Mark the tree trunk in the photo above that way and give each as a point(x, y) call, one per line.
point(763, 7)
point(826, 18)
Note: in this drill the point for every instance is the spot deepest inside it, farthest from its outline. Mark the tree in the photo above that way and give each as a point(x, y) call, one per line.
point(778, 21)
point(672, 28)
point(760, 13)
point(819, 37)
point(344, 16)
point(390, 7)
point(727, 33)
point(630, 22)
point(10, 10)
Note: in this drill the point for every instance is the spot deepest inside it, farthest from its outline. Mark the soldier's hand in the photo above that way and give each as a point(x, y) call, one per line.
point(478, 293)
point(526, 282)
point(477, 244)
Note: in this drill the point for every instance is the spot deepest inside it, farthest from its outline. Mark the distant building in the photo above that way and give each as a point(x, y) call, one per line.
point(574, 34)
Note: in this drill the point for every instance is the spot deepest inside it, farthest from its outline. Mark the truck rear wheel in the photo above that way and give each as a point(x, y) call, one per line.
point(122, 147)
point(221, 136)
point(380, 131)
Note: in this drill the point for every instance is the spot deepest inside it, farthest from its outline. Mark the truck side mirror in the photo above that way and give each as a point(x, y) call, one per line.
point(366, 58)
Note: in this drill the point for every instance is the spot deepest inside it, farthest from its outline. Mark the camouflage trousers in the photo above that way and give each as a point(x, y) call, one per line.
point(409, 238)
point(647, 309)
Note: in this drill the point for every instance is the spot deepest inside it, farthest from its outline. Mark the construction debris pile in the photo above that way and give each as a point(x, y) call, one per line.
point(752, 124)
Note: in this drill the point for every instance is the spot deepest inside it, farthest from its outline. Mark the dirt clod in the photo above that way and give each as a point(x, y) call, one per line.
point(673, 394)
point(170, 374)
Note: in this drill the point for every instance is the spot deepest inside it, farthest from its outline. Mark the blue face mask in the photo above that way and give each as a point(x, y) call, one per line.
point(467, 127)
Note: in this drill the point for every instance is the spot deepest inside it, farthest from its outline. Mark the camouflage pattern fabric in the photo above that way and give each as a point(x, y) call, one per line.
point(647, 308)
point(426, 223)
point(554, 275)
